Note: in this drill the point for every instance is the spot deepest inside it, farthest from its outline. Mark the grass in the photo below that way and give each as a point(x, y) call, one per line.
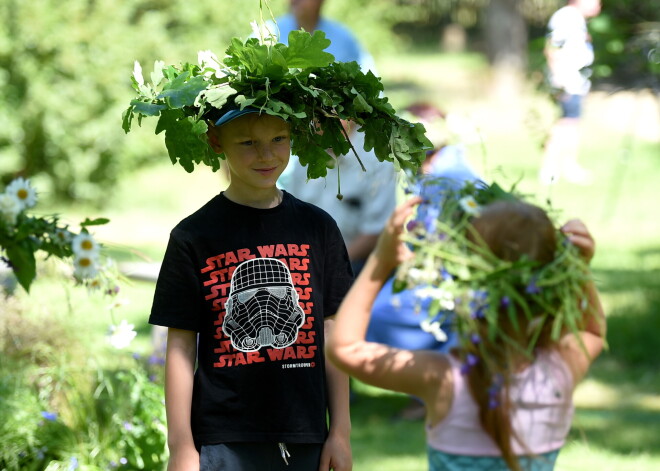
point(618, 406)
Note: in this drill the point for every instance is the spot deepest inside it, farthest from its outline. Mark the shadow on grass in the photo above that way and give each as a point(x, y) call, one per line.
point(630, 367)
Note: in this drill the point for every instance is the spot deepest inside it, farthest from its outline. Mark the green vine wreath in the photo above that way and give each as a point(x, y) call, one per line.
point(301, 83)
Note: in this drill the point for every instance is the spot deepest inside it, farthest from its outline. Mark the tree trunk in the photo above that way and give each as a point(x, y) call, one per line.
point(506, 38)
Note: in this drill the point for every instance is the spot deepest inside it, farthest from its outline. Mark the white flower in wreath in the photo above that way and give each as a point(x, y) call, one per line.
point(23, 192)
point(84, 245)
point(10, 207)
point(434, 329)
point(121, 335)
point(444, 297)
point(469, 205)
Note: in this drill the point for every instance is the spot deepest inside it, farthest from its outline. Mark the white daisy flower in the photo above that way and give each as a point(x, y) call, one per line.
point(62, 236)
point(85, 267)
point(84, 245)
point(469, 205)
point(121, 335)
point(434, 328)
point(445, 298)
point(10, 206)
point(23, 192)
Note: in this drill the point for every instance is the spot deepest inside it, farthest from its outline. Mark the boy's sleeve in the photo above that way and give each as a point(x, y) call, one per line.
point(338, 275)
point(178, 293)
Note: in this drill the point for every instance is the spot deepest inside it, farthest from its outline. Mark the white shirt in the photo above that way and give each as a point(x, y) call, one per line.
point(567, 31)
point(368, 197)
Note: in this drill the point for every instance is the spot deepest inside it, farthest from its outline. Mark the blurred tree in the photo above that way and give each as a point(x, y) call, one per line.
point(65, 79)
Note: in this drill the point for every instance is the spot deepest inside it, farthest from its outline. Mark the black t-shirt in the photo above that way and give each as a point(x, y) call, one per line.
point(256, 284)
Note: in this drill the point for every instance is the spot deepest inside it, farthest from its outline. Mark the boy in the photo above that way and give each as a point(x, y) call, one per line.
point(246, 288)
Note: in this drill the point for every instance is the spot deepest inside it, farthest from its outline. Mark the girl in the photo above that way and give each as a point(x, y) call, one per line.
point(503, 399)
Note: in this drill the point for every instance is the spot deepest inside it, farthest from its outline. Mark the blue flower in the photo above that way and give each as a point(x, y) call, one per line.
point(493, 403)
point(505, 301)
point(472, 359)
point(446, 276)
point(532, 288)
point(51, 416)
point(475, 339)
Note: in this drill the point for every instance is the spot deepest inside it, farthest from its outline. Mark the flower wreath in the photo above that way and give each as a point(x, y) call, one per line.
point(301, 83)
point(470, 288)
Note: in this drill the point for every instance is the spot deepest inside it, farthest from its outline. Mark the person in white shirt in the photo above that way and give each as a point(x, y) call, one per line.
point(569, 54)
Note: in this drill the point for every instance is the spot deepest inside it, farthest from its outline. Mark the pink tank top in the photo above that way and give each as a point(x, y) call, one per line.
point(542, 398)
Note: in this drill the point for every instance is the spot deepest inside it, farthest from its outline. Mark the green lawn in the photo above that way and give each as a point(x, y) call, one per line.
point(618, 406)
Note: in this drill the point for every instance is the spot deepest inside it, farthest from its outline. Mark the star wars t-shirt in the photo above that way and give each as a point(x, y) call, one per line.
point(256, 284)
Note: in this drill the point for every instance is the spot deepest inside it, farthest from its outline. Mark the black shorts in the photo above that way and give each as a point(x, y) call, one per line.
point(260, 457)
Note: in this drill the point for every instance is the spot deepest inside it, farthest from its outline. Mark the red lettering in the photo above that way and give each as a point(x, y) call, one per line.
point(255, 357)
point(216, 277)
point(219, 304)
point(298, 264)
point(266, 251)
point(300, 278)
point(305, 293)
point(218, 290)
point(309, 320)
point(306, 337)
point(225, 345)
point(244, 254)
point(289, 353)
point(274, 354)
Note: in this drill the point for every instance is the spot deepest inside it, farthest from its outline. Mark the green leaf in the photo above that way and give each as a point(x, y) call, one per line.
point(306, 51)
point(147, 109)
point(361, 105)
point(186, 142)
point(182, 93)
point(21, 256)
point(218, 96)
point(94, 222)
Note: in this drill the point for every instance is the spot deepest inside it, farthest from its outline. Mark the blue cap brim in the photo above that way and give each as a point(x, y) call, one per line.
point(233, 114)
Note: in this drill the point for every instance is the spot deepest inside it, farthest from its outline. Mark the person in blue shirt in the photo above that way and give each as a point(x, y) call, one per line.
point(306, 14)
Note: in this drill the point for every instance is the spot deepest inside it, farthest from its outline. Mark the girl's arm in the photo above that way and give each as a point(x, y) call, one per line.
point(337, 453)
point(580, 355)
point(179, 370)
point(418, 373)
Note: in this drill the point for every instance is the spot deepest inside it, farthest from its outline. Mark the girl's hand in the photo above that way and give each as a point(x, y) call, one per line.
point(390, 250)
point(579, 235)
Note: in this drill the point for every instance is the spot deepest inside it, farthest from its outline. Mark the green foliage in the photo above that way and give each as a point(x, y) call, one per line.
point(77, 416)
point(300, 83)
point(63, 79)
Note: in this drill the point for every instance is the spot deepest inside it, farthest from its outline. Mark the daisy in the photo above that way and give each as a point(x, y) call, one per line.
point(85, 267)
point(469, 205)
point(434, 328)
point(84, 244)
point(10, 206)
point(23, 192)
point(121, 335)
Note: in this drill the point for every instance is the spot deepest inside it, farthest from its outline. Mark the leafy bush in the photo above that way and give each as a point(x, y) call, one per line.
point(59, 411)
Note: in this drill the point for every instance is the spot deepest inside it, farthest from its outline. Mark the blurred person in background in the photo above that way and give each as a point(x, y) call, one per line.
point(367, 202)
point(569, 54)
point(306, 14)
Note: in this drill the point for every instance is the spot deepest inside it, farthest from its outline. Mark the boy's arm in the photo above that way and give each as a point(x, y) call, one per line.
point(179, 371)
point(337, 453)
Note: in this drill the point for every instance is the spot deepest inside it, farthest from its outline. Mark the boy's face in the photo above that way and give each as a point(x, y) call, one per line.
point(257, 149)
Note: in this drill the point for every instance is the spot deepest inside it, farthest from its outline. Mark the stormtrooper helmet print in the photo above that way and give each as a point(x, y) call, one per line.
point(262, 307)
